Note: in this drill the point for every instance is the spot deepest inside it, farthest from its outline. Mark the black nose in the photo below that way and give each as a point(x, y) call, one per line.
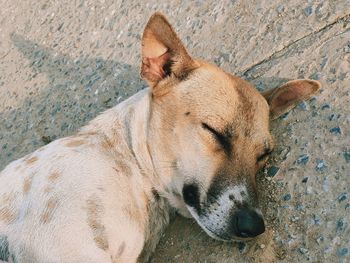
point(248, 223)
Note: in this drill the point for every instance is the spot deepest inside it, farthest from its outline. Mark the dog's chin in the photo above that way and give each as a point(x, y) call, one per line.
point(213, 234)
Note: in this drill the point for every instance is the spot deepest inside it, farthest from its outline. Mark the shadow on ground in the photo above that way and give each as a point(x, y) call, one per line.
point(78, 89)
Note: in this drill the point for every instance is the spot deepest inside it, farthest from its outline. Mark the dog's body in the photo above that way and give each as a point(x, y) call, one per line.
point(92, 197)
point(192, 142)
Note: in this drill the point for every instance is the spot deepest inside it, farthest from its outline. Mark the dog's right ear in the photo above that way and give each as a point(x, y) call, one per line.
point(163, 53)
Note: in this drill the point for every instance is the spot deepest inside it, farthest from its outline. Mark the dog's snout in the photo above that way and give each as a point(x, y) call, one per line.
point(248, 223)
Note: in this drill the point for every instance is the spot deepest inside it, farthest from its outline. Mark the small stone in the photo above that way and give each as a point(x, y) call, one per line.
point(287, 197)
point(320, 239)
point(285, 152)
point(304, 106)
point(272, 171)
point(342, 197)
point(342, 252)
point(320, 165)
point(302, 250)
point(347, 155)
point(308, 11)
point(335, 130)
point(325, 106)
point(280, 9)
point(262, 246)
point(299, 207)
point(334, 116)
point(305, 179)
point(303, 159)
point(341, 225)
point(316, 219)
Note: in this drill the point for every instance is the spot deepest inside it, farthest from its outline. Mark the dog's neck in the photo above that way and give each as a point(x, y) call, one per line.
point(126, 127)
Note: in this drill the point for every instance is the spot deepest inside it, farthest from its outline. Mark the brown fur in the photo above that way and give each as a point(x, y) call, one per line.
point(94, 210)
point(31, 160)
point(75, 143)
point(27, 184)
point(49, 210)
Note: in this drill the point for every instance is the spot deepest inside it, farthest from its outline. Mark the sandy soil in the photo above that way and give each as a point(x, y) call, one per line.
point(63, 62)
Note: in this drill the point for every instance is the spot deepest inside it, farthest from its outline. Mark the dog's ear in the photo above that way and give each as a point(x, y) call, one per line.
point(163, 53)
point(286, 97)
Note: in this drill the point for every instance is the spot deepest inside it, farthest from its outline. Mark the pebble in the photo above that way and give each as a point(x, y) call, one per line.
point(347, 156)
point(341, 225)
point(287, 197)
point(303, 159)
point(320, 165)
point(342, 197)
point(304, 106)
point(280, 9)
point(308, 11)
point(303, 250)
point(325, 106)
point(342, 252)
point(335, 130)
point(305, 179)
point(286, 151)
point(334, 116)
point(320, 239)
point(272, 171)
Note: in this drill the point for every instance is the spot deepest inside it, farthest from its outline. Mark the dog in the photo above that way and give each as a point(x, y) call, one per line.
point(192, 142)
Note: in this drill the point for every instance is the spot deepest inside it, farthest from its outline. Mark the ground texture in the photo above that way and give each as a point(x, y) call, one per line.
point(63, 62)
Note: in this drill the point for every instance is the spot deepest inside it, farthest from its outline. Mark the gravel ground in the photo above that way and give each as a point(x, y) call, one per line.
point(63, 62)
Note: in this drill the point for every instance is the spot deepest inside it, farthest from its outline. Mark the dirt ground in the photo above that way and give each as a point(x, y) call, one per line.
point(63, 62)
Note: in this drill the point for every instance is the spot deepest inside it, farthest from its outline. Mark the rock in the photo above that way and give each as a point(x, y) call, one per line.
point(342, 197)
point(287, 197)
point(341, 225)
point(335, 130)
point(303, 159)
point(303, 250)
point(342, 252)
point(347, 155)
point(308, 11)
point(272, 171)
point(320, 165)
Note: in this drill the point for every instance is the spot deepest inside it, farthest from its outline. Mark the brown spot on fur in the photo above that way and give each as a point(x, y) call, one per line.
point(121, 249)
point(32, 160)
point(7, 199)
point(75, 143)
point(47, 189)
point(7, 215)
point(94, 211)
point(49, 210)
point(27, 184)
point(54, 176)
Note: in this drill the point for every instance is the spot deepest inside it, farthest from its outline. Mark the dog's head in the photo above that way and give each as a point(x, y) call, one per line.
point(209, 133)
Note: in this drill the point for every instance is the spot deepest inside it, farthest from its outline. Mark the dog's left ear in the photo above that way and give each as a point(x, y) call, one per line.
point(286, 97)
point(163, 53)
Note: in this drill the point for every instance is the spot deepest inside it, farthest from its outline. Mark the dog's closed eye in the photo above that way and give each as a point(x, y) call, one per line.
point(220, 137)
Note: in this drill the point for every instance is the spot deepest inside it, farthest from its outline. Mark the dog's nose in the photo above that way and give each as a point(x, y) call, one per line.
point(248, 223)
